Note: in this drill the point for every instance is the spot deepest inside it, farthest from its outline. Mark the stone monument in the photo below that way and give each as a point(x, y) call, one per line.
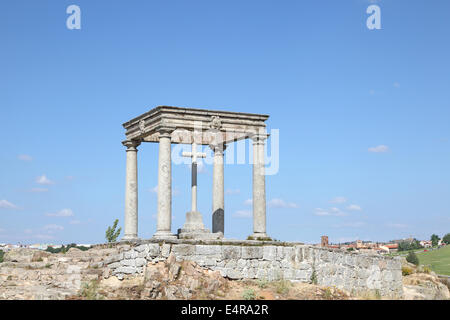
point(173, 125)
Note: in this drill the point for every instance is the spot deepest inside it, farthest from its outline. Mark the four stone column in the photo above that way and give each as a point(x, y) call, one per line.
point(218, 202)
point(164, 223)
point(131, 192)
point(259, 187)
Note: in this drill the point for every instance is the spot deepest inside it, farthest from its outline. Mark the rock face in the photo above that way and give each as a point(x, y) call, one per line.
point(33, 274)
point(177, 269)
point(422, 286)
point(354, 272)
point(167, 279)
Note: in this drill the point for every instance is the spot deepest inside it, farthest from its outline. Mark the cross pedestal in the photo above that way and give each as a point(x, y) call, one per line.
point(194, 228)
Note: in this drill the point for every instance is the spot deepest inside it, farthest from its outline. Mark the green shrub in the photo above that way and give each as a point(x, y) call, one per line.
point(314, 277)
point(262, 283)
point(412, 258)
point(89, 291)
point(64, 249)
point(406, 271)
point(434, 240)
point(446, 238)
point(249, 294)
point(406, 245)
point(1, 256)
point(111, 233)
point(327, 294)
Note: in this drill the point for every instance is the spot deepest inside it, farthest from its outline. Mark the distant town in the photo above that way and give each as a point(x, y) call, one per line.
point(384, 247)
point(38, 246)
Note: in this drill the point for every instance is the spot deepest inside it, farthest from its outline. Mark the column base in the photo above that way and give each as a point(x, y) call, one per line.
point(164, 235)
point(259, 236)
point(129, 239)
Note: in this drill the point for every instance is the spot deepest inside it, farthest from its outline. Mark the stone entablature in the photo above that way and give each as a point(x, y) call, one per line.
point(233, 126)
point(353, 272)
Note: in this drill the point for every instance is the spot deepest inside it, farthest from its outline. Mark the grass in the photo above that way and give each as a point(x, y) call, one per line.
point(438, 260)
point(282, 286)
point(371, 295)
point(327, 294)
point(89, 291)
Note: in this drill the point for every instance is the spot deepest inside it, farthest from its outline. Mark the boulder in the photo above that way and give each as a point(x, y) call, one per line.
point(422, 286)
point(22, 255)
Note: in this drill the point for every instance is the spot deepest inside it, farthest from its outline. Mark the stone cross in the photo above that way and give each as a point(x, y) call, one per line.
point(194, 155)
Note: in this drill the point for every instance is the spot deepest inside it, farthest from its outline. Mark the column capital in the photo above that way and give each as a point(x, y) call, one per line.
point(131, 144)
point(259, 138)
point(165, 131)
point(217, 148)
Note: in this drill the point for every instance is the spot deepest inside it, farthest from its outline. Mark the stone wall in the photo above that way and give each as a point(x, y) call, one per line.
point(357, 273)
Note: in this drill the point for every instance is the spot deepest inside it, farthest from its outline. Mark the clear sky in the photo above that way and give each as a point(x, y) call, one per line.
point(363, 115)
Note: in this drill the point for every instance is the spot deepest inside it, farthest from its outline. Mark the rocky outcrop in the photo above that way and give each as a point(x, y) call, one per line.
point(354, 272)
point(33, 274)
point(422, 286)
point(167, 279)
point(190, 270)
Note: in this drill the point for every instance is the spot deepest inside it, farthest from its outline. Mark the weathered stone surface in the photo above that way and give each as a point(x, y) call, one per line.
point(184, 250)
point(250, 252)
point(19, 255)
point(269, 253)
point(139, 262)
point(153, 249)
point(231, 252)
point(208, 250)
point(165, 250)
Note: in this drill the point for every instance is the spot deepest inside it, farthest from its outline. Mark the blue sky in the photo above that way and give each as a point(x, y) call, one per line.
point(363, 114)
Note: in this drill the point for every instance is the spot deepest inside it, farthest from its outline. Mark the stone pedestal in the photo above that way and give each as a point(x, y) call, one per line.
point(195, 229)
point(204, 234)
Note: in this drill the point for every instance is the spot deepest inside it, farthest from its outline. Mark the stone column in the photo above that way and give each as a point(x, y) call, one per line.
point(259, 187)
point(131, 193)
point(218, 205)
point(164, 223)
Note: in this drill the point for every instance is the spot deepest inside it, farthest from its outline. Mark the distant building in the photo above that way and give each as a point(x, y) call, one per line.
point(385, 249)
point(426, 243)
point(359, 244)
point(39, 246)
point(324, 241)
